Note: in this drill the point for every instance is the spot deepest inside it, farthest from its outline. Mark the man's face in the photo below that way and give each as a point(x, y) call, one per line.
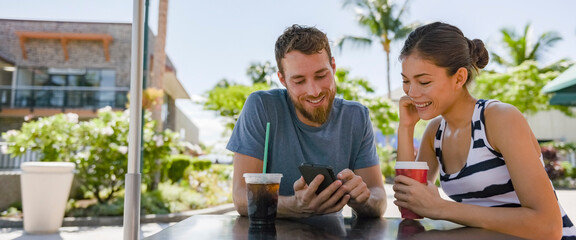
point(309, 80)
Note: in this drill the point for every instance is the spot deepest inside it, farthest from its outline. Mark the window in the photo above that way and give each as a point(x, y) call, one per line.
point(68, 87)
point(6, 70)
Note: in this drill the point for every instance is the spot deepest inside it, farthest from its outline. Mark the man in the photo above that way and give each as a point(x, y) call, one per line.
point(308, 125)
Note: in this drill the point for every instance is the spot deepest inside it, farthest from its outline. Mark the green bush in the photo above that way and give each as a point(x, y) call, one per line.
point(153, 203)
point(54, 137)
point(114, 207)
point(206, 188)
point(215, 184)
point(177, 166)
point(180, 198)
point(99, 147)
point(569, 170)
point(201, 165)
point(387, 157)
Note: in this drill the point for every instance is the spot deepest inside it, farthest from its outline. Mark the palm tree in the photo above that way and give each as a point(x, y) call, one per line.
point(382, 20)
point(522, 82)
point(520, 47)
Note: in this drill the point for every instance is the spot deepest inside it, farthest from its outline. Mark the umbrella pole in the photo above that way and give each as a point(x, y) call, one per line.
point(133, 179)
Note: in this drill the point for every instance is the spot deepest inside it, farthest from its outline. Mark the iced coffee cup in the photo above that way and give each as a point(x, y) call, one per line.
point(262, 192)
point(414, 170)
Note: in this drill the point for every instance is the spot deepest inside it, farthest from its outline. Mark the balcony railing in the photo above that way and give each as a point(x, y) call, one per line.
point(8, 162)
point(62, 97)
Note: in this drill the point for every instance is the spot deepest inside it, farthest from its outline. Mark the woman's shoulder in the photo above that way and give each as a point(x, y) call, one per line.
point(497, 110)
point(503, 120)
point(434, 123)
point(432, 127)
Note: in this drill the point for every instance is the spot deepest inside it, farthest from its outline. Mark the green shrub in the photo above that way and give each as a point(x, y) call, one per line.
point(569, 171)
point(387, 158)
point(14, 210)
point(153, 203)
point(201, 165)
point(56, 138)
point(196, 190)
point(182, 198)
point(99, 147)
point(114, 207)
point(223, 171)
point(175, 168)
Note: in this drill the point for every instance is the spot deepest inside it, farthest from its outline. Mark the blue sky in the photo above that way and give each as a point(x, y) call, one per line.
point(211, 40)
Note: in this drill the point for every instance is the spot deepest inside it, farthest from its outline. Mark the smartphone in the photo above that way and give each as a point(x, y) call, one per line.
point(310, 171)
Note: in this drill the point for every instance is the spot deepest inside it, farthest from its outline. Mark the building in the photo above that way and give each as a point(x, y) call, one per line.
point(50, 67)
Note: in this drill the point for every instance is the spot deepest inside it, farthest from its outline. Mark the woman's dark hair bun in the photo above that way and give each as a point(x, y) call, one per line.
point(478, 53)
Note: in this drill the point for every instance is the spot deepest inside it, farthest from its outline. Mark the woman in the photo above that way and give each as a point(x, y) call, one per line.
point(487, 157)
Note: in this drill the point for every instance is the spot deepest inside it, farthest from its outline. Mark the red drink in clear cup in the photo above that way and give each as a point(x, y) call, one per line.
point(414, 170)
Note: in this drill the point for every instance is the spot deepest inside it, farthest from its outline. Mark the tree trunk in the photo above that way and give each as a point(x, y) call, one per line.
point(158, 74)
point(159, 59)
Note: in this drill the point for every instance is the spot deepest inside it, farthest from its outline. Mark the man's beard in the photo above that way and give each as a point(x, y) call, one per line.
point(317, 115)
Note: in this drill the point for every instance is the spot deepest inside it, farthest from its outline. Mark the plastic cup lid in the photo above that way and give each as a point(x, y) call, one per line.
point(263, 178)
point(411, 165)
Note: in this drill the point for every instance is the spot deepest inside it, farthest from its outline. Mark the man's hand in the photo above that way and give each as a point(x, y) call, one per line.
point(366, 189)
point(332, 199)
point(355, 187)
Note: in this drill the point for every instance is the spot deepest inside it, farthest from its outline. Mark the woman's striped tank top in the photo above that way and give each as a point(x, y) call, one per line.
point(484, 180)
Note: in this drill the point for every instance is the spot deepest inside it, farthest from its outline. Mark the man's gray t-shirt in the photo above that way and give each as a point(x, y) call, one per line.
point(346, 140)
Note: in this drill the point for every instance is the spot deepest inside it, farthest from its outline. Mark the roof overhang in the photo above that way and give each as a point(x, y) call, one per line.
point(173, 87)
point(563, 88)
point(564, 80)
point(566, 99)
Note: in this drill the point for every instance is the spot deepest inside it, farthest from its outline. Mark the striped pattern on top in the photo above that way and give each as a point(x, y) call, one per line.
point(484, 180)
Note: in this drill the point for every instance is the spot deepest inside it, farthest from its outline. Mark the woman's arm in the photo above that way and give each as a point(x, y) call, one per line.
point(426, 152)
point(538, 218)
point(408, 119)
point(509, 133)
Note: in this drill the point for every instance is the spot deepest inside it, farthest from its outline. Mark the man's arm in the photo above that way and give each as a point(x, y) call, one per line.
point(366, 189)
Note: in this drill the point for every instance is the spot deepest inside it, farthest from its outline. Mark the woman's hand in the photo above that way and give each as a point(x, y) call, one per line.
point(408, 113)
point(422, 199)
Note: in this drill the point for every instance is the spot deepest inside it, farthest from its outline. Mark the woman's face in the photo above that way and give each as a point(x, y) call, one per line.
point(428, 86)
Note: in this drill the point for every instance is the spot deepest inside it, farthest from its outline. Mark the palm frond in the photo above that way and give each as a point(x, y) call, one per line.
point(354, 40)
point(499, 59)
point(560, 65)
point(544, 42)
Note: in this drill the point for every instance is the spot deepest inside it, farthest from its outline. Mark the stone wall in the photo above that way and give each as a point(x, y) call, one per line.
point(9, 189)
